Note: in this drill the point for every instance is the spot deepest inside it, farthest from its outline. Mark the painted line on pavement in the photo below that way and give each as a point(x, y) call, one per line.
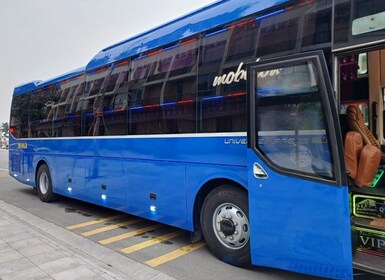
point(129, 234)
point(90, 223)
point(111, 227)
point(175, 254)
point(156, 240)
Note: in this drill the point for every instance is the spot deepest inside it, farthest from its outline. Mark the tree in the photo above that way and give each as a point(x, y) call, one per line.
point(4, 127)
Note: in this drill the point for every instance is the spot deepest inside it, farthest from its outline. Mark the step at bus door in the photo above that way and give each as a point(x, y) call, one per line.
point(298, 196)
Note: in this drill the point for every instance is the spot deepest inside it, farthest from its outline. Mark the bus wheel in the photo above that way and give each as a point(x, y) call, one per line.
point(44, 185)
point(225, 225)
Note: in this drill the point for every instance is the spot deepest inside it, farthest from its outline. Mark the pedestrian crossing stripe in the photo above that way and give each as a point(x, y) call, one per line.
point(130, 234)
point(153, 241)
point(94, 222)
point(175, 254)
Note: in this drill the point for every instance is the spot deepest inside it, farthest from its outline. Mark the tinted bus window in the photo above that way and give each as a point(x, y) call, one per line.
point(358, 22)
point(180, 117)
point(115, 102)
point(364, 8)
point(66, 120)
point(223, 113)
point(162, 83)
point(291, 122)
point(317, 28)
point(184, 58)
point(146, 120)
point(39, 111)
point(92, 100)
point(278, 37)
point(213, 47)
point(243, 40)
point(145, 86)
point(181, 79)
point(19, 115)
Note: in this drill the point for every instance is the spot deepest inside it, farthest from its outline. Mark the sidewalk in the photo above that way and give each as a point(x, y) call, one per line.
point(32, 248)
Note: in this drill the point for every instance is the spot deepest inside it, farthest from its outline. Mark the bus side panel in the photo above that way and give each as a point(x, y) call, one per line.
point(68, 181)
point(20, 161)
point(106, 181)
point(156, 190)
point(18, 168)
point(143, 176)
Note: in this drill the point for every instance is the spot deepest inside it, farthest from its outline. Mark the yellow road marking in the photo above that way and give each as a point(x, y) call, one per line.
point(129, 234)
point(111, 227)
point(175, 254)
point(90, 223)
point(153, 241)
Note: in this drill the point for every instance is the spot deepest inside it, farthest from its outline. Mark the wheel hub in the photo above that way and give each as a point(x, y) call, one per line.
point(231, 226)
point(43, 183)
point(227, 227)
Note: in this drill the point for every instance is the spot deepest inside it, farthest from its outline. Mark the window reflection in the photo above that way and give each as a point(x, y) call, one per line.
point(290, 121)
point(194, 85)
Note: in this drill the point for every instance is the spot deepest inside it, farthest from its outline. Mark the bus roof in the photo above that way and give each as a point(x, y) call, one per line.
point(62, 77)
point(211, 16)
point(23, 88)
point(20, 89)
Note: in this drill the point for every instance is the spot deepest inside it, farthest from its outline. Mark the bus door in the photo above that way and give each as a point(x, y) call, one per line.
point(298, 194)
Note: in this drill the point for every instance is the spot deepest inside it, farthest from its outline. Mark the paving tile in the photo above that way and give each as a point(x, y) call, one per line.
point(5, 248)
point(46, 257)
point(106, 276)
point(10, 230)
point(8, 226)
point(162, 276)
point(10, 256)
point(26, 253)
point(80, 272)
point(4, 222)
point(140, 271)
point(59, 265)
point(25, 243)
point(15, 266)
point(36, 250)
point(26, 274)
point(16, 236)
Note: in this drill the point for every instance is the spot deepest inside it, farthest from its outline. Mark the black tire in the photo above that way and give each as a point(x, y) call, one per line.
point(225, 225)
point(44, 184)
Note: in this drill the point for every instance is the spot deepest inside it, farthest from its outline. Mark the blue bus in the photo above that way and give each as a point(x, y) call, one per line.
point(256, 125)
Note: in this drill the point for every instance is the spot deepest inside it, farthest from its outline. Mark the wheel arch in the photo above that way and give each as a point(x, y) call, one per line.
point(40, 163)
point(202, 194)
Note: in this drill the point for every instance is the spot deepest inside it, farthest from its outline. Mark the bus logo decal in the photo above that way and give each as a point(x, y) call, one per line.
point(241, 74)
point(235, 141)
point(229, 78)
point(22, 145)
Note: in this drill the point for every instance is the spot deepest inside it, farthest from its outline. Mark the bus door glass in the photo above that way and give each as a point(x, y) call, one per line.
point(298, 196)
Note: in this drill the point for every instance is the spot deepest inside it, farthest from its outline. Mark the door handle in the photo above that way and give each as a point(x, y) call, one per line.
point(259, 172)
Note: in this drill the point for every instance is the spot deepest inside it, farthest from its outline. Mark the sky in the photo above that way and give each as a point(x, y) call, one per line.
point(41, 39)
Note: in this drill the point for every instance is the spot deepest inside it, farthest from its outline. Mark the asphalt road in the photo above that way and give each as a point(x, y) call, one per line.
point(134, 237)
